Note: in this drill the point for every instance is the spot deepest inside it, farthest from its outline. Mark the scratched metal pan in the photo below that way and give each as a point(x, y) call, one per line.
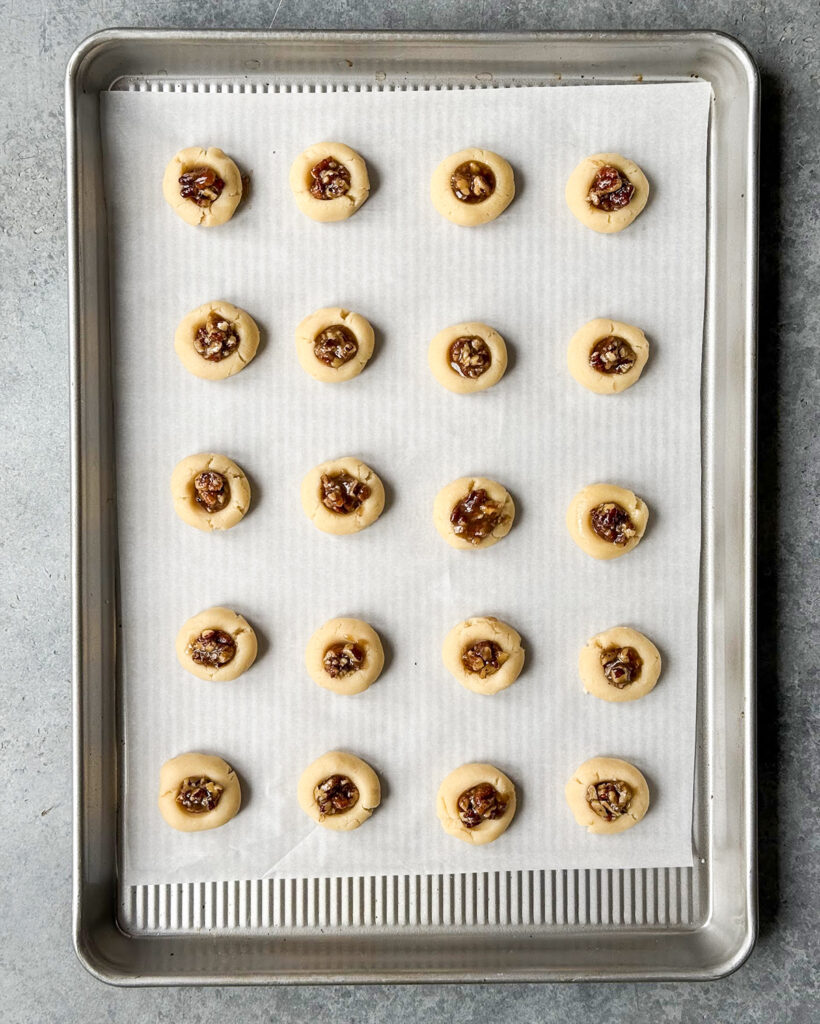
point(697, 922)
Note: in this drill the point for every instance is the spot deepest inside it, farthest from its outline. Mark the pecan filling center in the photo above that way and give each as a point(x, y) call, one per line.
point(202, 185)
point(610, 189)
point(612, 355)
point(470, 356)
point(621, 665)
point(330, 179)
point(336, 795)
point(343, 659)
point(472, 182)
point(211, 491)
point(198, 795)
point(343, 493)
point(335, 346)
point(612, 523)
point(485, 658)
point(609, 799)
point(480, 803)
point(216, 338)
point(476, 516)
point(212, 648)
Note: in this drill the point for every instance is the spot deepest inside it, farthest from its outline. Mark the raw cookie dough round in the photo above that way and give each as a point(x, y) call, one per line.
point(203, 777)
point(626, 532)
point(338, 189)
point(217, 645)
point(457, 784)
point(349, 484)
point(344, 339)
point(484, 178)
point(229, 502)
point(484, 654)
point(226, 334)
point(350, 768)
point(607, 769)
point(619, 665)
point(345, 656)
point(601, 218)
point(486, 512)
point(468, 357)
point(213, 211)
point(607, 356)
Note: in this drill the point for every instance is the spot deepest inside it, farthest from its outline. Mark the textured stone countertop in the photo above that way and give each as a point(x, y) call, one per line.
point(41, 981)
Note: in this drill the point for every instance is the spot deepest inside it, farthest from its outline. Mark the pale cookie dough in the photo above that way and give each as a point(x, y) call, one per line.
point(619, 665)
point(345, 656)
point(618, 514)
point(472, 187)
point(334, 344)
point(473, 512)
point(198, 792)
point(216, 645)
point(600, 218)
point(484, 654)
point(326, 794)
point(607, 356)
point(201, 500)
point(339, 185)
point(212, 211)
point(346, 485)
point(468, 357)
point(618, 809)
point(490, 813)
point(216, 340)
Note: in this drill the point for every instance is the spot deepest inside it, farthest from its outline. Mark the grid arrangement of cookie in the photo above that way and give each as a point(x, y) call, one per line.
point(476, 802)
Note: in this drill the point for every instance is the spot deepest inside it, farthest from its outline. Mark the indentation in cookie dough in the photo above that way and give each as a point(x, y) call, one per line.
point(472, 186)
point(339, 791)
point(217, 644)
point(345, 656)
point(473, 512)
point(210, 491)
point(606, 192)
point(342, 496)
point(198, 792)
point(334, 344)
point(202, 186)
point(216, 340)
point(606, 521)
point(607, 356)
point(484, 654)
point(476, 803)
point(607, 795)
point(619, 665)
point(329, 181)
point(468, 357)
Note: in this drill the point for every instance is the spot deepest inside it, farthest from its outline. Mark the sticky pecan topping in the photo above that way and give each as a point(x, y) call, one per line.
point(342, 493)
point(470, 356)
point(212, 648)
point(609, 799)
point(198, 795)
point(211, 490)
point(202, 185)
point(216, 338)
point(335, 346)
point(621, 665)
point(472, 182)
point(480, 803)
point(330, 179)
point(343, 659)
point(336, 795)
point(476, 516)
point(612, 355)
point(610, 189)
point(612, 523)
point(485, 658)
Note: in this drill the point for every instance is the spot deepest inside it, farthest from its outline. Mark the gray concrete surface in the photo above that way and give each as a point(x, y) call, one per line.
point(40, 980)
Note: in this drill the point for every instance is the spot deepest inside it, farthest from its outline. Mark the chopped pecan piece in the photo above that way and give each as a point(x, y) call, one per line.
point(485, 658)
point(472, 182)
point(211, 490)
point(612, 355)
point(336, 795)
point(330, 179)
point(610, 189)
point(621, 665)
point(197, 795)
point(335, 346)
point(343, 493)
point(476, 516)
point(480, 803)
point(612, 523)
point(216, 338)
point(609, 799)
point(202, 185)
point(343, 659)
point(470, 356)
point(212, 648)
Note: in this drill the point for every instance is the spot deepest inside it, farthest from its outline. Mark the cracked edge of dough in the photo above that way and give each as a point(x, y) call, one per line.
point(457, 489)
point(319, 321)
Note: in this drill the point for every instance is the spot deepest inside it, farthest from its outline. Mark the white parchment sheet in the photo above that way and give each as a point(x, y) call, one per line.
point(536, 274)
